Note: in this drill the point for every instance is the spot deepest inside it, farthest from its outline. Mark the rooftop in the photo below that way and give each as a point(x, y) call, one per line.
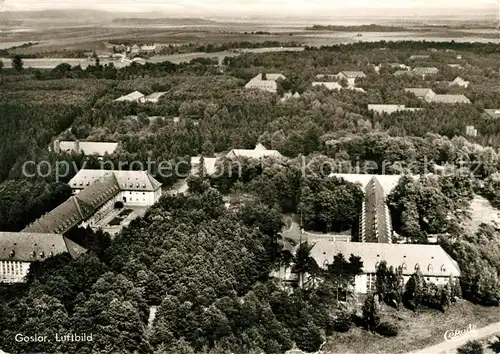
point(432, 260)
point(77, 208)
point(87, 147)
point(29, 247)
point(387, 182)
point(353, 74)
point(134, 96)
point(450, 99)
point(127, 180)
point(154, 96)
point(260, 151)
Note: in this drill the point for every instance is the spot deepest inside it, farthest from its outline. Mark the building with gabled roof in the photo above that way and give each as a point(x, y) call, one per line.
point(390, 108)
point(259, 152)
point(85, 147)
point(268, 83)
point(435, 264)
point(329, 85)
point(154, 97)
point(354, 74)
point(135, 96)
point(422, 93)
point(459, 82)
point(451, 99)
point(425, 71)
point(86, 208)
point(19, 249)
point(375, 224)
point(136, 187)
point(419, 57)
point(387, 182)
point(375, 221)
point(492, 113)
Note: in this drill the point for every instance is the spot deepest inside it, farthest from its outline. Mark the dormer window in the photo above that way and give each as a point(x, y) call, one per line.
point(33, 254)
point(51, 254)
point(377, 264)
point(12, 253)
point(417, 267)
point(429, 268)
point(42, 254)
point(404, 266)
point(443, 268)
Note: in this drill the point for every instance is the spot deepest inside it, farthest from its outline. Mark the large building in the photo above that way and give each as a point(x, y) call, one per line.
point(435, 264)
point(390, 108)
point(135, 96)
point(351, 76)
point(19, 249)
point(84, 209)
point(135, 187)
point(259, 152)
point(265, 82)
point(333, 85)
point(96, 193)
point(85, 147)
point(375, 220)
point(153, 98)
point(432, 97)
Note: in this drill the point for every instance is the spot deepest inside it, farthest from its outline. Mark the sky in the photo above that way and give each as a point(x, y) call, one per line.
point(241, 7)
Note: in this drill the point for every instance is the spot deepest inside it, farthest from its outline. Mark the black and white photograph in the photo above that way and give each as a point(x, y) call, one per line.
point(249, 177)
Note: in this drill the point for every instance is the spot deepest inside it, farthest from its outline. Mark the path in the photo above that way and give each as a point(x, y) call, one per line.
point(451, 347)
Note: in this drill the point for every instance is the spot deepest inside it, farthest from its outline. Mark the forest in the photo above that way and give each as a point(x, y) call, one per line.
point(205, 267)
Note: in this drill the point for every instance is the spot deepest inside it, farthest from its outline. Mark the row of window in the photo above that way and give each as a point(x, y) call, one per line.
point(417, 267)
point(12, 268)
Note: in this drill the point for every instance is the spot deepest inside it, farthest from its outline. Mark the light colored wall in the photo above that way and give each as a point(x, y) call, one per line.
point(361, 282)
point(13, 271)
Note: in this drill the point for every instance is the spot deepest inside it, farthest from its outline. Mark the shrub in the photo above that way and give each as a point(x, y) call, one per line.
point(387, 329)
point(471, 347)
point(342, 325)
point(119, 205)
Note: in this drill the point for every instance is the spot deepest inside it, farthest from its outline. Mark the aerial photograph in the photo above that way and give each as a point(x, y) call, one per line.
point(250, 176)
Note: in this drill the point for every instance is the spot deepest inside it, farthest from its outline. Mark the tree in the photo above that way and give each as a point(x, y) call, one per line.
point(371, 313)
point(343, 272)
point(303, 262)
point(1, 70)
point(382, 280)
point(415, 288)
point(17, 63)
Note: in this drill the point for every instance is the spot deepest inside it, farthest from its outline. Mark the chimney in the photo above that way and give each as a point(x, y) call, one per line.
point(57, 146)
point(77, 146)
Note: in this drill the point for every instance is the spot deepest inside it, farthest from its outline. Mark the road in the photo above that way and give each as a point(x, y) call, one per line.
point(451, 347)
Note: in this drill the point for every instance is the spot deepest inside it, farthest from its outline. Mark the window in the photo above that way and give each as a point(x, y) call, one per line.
point(404, 266)
point(443, 268)
point(370, 282)
point(429, 268)
point(417, 267)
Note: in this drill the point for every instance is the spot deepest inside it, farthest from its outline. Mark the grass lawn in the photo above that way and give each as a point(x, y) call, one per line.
point(416, 331)
point(116, 221)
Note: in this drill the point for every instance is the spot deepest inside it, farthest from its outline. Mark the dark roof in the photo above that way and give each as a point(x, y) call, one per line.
point(375, 223)
point(28, 246)
point(77, 208)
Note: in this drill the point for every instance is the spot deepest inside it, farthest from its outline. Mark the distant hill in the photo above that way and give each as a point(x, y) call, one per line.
point(57, 15)
point(163, 21)
point(360, 28)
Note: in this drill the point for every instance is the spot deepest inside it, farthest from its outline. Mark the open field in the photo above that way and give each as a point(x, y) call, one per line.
point(416, 331)
point(93, 38)
point(482, 212)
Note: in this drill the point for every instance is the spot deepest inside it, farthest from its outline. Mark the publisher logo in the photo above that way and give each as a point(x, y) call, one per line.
point(453, 335)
